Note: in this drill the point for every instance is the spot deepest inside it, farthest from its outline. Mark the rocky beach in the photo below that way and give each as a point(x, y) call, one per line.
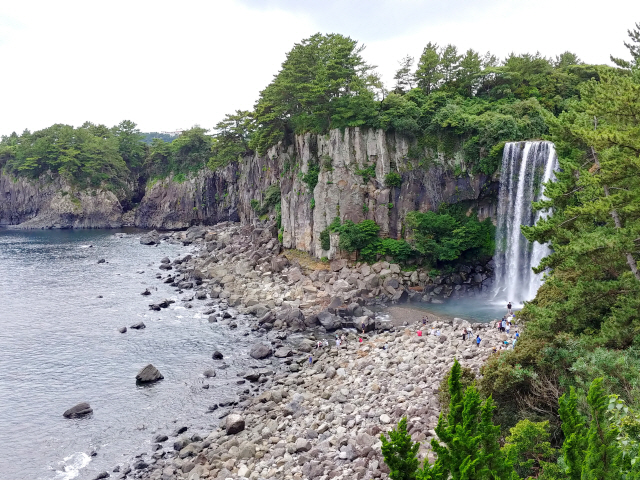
point(304, 411)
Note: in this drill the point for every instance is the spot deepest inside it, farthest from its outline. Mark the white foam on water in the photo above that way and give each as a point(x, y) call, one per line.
point(70, 466)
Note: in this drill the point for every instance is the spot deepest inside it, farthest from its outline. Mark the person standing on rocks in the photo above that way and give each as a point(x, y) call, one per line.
point(363, 326)
point(310, 360)
point(464, 334)
point(478, 340)
point(509, 308)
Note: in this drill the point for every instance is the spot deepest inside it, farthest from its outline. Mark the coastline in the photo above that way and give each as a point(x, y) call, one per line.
point(301, 419)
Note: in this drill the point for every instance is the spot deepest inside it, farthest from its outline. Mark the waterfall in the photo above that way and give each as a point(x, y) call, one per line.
point(526, 166)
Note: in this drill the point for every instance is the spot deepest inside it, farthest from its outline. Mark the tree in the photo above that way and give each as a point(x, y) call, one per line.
point(428, 74)
point(529, 449)
point(130, 145)
point(467, 76)
point(400, 453)
point(602, 457)
point(634, 49)
point(404, 77)
point(231, 138)
point(449, 63)
point(324, 83)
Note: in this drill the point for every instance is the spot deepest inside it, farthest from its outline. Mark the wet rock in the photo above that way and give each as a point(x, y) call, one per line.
point(146, 292)
point(140, 465)
point(260, 351)
point(80, 410)
point(217, 355)
point(234, 424)
point(165, 260)
point(149, 374)
point(101, 475)
point(151, 238)
point(138, 326)
point(160, 438)
point(165, 266)
point(102, 260)
point(122, 329)
point(329, 321)
point(209, 373)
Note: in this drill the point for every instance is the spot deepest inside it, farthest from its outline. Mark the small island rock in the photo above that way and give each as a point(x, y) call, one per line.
point(149, 374)
point(79, 410)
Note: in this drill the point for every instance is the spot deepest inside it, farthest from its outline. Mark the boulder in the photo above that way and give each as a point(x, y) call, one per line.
point(217, 355)
point(122, 329)
point(329, 321)
point(260, 351)
point(337, 265)
point(151, 238)
point(149, 374)
point(146, 292)
point(101, 476)
point(209, 373)
point(138, 326)
point(102, 260)
point(335, 303)
point(80, 410)
point(234, 424)
point(165, 260)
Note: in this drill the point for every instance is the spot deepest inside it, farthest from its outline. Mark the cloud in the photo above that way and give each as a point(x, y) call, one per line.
point(169, 65)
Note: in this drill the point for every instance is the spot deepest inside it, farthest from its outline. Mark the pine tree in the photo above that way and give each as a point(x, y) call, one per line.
point(400, 453)
point(602, 458)
point(403, 77)
point(574, 434)
point(427, 74)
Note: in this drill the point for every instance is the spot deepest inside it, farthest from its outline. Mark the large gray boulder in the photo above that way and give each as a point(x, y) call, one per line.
point(149, 374)
point(80, 410)
point(260, 351)
point(151, 238)
point(329, 321)
point(234, 424)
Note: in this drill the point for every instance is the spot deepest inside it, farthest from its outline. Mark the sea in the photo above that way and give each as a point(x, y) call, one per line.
point(60, 311)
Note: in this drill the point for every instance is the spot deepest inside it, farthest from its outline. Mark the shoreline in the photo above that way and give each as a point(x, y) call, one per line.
point(307, 420)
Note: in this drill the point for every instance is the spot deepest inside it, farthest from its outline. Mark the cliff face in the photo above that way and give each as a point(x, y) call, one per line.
point(50, 202)
point(343, 190)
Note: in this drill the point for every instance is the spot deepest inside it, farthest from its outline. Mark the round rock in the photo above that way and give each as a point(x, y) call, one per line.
point(80, 410)
point(149, 374)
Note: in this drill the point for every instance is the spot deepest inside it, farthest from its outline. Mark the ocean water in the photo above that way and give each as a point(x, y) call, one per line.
point(59, 346)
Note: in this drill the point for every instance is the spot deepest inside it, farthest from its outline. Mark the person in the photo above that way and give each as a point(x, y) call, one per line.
point(504, 325)
point(310, 360)
point(342, 339)
point(319, 344)
point(337, 342)
point(360, 340)
point(478, 340)
point(363, 325)
point(517, 334)
point(464, 334)
point(509, 307)
point(508, 326)
point(433, 331)
point(326, 342)
point(424, 320)
point(438, 333)
point(419, 333)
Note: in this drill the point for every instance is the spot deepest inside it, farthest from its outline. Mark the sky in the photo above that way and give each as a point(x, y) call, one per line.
point(172, 65)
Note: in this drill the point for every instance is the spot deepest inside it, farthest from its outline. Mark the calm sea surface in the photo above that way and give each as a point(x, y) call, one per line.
point(59, 346)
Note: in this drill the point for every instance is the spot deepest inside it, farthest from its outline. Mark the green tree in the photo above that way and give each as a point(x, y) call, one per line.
point(130, 145)
point(529, 449)
point(404, 76)
point(449, 63)
point(634, 49)
point(400, 453)
point(428, 73)
point(468, 73)
point(231, 139)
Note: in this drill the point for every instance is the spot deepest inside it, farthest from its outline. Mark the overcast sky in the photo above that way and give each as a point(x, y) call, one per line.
point(172, 65)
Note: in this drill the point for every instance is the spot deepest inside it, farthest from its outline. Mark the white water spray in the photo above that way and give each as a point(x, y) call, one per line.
point(526, 166)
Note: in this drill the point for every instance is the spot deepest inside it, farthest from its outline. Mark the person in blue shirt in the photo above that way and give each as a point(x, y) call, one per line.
point(517, 334)
point(478, 340)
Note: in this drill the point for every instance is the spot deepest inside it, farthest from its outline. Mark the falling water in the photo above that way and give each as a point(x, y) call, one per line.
point(526, 166)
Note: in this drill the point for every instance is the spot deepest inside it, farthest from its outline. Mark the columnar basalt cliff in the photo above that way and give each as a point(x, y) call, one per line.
point(352, 167)
point(50, 202)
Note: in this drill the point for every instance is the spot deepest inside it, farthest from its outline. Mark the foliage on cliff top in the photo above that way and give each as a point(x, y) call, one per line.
point(585, 319)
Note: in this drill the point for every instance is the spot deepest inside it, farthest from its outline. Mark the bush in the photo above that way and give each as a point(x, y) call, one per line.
point(392, 179)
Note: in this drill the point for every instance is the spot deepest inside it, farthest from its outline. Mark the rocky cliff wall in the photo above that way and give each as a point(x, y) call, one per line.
point(341, 190)
point(50, 202)
point(227, 194)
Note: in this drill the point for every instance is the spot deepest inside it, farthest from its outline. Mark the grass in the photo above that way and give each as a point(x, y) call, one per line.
point(305, 260)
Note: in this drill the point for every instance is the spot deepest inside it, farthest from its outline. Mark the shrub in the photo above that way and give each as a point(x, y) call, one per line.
point(325, 239)
point(392, 179)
